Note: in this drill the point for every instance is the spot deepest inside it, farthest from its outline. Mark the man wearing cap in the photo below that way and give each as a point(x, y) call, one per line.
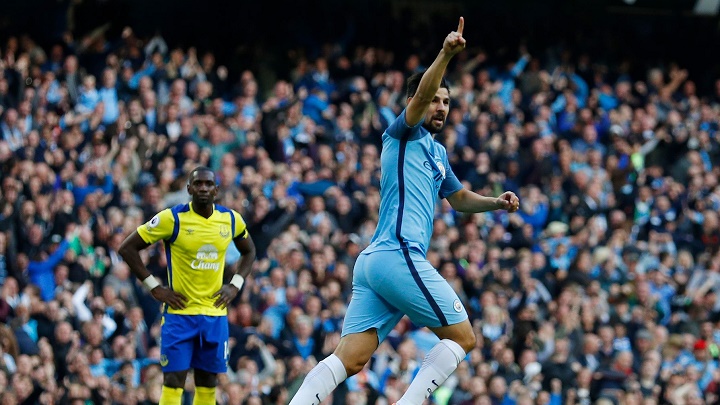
point(704, 364)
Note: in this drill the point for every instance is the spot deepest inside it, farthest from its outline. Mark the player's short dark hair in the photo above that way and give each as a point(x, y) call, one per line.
point(197, 170)
point(414, 81)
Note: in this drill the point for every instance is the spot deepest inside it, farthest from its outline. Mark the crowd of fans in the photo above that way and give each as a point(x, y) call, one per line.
point(602, 289)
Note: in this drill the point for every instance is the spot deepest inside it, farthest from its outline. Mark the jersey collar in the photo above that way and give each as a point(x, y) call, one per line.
point(195, 212)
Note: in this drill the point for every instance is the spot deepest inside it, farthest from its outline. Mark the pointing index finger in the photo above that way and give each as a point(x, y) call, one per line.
point(461, 25)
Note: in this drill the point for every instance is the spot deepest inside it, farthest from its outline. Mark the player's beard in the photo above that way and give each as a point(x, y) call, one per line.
point(432, 126)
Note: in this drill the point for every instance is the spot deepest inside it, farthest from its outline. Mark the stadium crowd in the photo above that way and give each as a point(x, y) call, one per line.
point(602, 289)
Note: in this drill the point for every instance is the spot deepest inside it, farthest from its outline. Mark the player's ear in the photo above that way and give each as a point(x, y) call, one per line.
point(408, 100)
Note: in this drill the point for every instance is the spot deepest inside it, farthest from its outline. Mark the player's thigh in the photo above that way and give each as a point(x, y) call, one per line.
point(368, 310)
point(177, 340)
point(211, 349)
point(411, 284)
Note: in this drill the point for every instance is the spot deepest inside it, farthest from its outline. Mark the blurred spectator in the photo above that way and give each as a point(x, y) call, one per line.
point(603, 287)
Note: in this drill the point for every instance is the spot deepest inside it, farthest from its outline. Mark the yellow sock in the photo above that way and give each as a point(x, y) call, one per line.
point(204, 396)
point(171, 396)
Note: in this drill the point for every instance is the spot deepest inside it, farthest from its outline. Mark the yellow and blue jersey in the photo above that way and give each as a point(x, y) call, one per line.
point(195, 247)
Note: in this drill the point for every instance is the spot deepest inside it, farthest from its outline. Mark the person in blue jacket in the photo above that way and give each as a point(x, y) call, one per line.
point(41, 269)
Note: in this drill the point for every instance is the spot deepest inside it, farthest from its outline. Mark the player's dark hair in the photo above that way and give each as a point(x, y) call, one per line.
point(414, 81)
point(197, 170)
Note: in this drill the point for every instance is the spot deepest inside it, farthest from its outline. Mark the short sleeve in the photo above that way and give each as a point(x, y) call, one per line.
point(451, 184)
point(158, 228)
point(241, 231)
point(399, 128)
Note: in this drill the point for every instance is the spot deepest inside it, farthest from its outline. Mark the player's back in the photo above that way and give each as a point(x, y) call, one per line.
point(413, 174)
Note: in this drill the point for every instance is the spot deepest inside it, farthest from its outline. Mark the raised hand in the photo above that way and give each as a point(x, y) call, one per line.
point(454, 42)
point(508, 201)
point(169, 297)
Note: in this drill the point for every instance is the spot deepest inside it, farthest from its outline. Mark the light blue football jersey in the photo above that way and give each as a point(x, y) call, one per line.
point(415, 172)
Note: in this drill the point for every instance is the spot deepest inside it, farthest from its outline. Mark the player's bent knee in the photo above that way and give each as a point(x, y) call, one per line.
point(353, 360)
point(356, 350)
point(463, 335)
point(468, 343)
point(467, 340)
point(354, 367)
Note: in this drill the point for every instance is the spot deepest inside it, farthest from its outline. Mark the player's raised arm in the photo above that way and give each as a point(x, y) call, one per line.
point(430, 82)
point(130, 252)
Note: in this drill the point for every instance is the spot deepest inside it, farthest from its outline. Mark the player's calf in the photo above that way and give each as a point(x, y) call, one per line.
point(351, 355)
point(205, 383)
point(442, 360)
point(437, 366)
point(173, 385)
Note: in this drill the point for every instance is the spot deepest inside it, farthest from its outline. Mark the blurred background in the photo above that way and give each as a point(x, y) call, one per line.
point(246, 34)
point(602, 115)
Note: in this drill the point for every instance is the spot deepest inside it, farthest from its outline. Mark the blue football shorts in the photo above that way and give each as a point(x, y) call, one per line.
point(392, 283)
point(194, 341)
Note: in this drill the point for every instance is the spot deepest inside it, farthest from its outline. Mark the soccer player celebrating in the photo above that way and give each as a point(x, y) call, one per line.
point(392, 276)
point(194, 323)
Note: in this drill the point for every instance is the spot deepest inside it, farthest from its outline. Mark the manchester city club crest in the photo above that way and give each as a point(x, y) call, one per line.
point(224, 231)
point(441, 167)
